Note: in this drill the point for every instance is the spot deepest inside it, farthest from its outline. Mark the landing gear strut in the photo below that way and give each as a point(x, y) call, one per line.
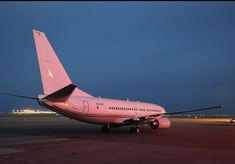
point(134, 130)
point(105, 128)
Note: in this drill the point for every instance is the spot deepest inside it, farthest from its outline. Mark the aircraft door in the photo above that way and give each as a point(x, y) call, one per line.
point(137, 113)
point(85, 107)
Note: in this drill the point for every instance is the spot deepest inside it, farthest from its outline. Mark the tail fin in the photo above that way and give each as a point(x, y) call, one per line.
point(52, 72)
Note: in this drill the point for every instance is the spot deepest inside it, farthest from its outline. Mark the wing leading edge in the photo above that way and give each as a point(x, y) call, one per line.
point(194, 110)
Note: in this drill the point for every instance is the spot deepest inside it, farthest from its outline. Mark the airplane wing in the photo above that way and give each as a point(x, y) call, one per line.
point(148, 118)
point(194, 110)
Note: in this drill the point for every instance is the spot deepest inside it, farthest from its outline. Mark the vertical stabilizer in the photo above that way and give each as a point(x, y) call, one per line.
point(52, 72)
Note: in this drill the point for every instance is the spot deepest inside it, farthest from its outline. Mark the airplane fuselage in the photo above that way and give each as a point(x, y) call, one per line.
point(101, 110)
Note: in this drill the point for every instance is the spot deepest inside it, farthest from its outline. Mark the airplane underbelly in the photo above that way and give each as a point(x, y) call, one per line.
point(102, 119)
point(87, 117)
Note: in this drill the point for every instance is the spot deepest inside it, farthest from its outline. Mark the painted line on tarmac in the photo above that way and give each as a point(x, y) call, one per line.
point(22, 141)
point(4, 151)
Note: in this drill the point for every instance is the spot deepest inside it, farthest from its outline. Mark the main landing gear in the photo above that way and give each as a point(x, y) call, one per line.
point(134, 130)
point(105, 128)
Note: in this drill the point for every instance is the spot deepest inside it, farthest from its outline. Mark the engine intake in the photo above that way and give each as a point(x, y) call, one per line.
point(160, 123)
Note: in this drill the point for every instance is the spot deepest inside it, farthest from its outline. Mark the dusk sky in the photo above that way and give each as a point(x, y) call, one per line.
point(180, 55)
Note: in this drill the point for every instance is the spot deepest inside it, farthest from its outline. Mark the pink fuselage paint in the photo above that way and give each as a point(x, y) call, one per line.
point(101, 110)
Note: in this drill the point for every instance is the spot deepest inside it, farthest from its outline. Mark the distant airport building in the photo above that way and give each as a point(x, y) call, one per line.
point(202, 116)
point(31, 111)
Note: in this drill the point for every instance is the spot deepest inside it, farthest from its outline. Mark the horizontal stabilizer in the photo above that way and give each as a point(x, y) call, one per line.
point(62, 94)
point(21, 96)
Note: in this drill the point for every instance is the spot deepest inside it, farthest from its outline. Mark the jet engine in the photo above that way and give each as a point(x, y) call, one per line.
point(160, 123)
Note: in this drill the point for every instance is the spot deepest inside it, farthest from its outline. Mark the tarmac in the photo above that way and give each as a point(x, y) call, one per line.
point(56, 139)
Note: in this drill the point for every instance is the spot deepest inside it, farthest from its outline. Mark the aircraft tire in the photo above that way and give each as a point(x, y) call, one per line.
point(137, 130)
point(132, 130)
point(105, 129)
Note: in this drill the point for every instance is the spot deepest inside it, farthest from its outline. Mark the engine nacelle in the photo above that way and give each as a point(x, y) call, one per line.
point(160, 123)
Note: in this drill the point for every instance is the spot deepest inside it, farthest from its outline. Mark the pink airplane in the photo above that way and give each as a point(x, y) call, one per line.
point(64, 97)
